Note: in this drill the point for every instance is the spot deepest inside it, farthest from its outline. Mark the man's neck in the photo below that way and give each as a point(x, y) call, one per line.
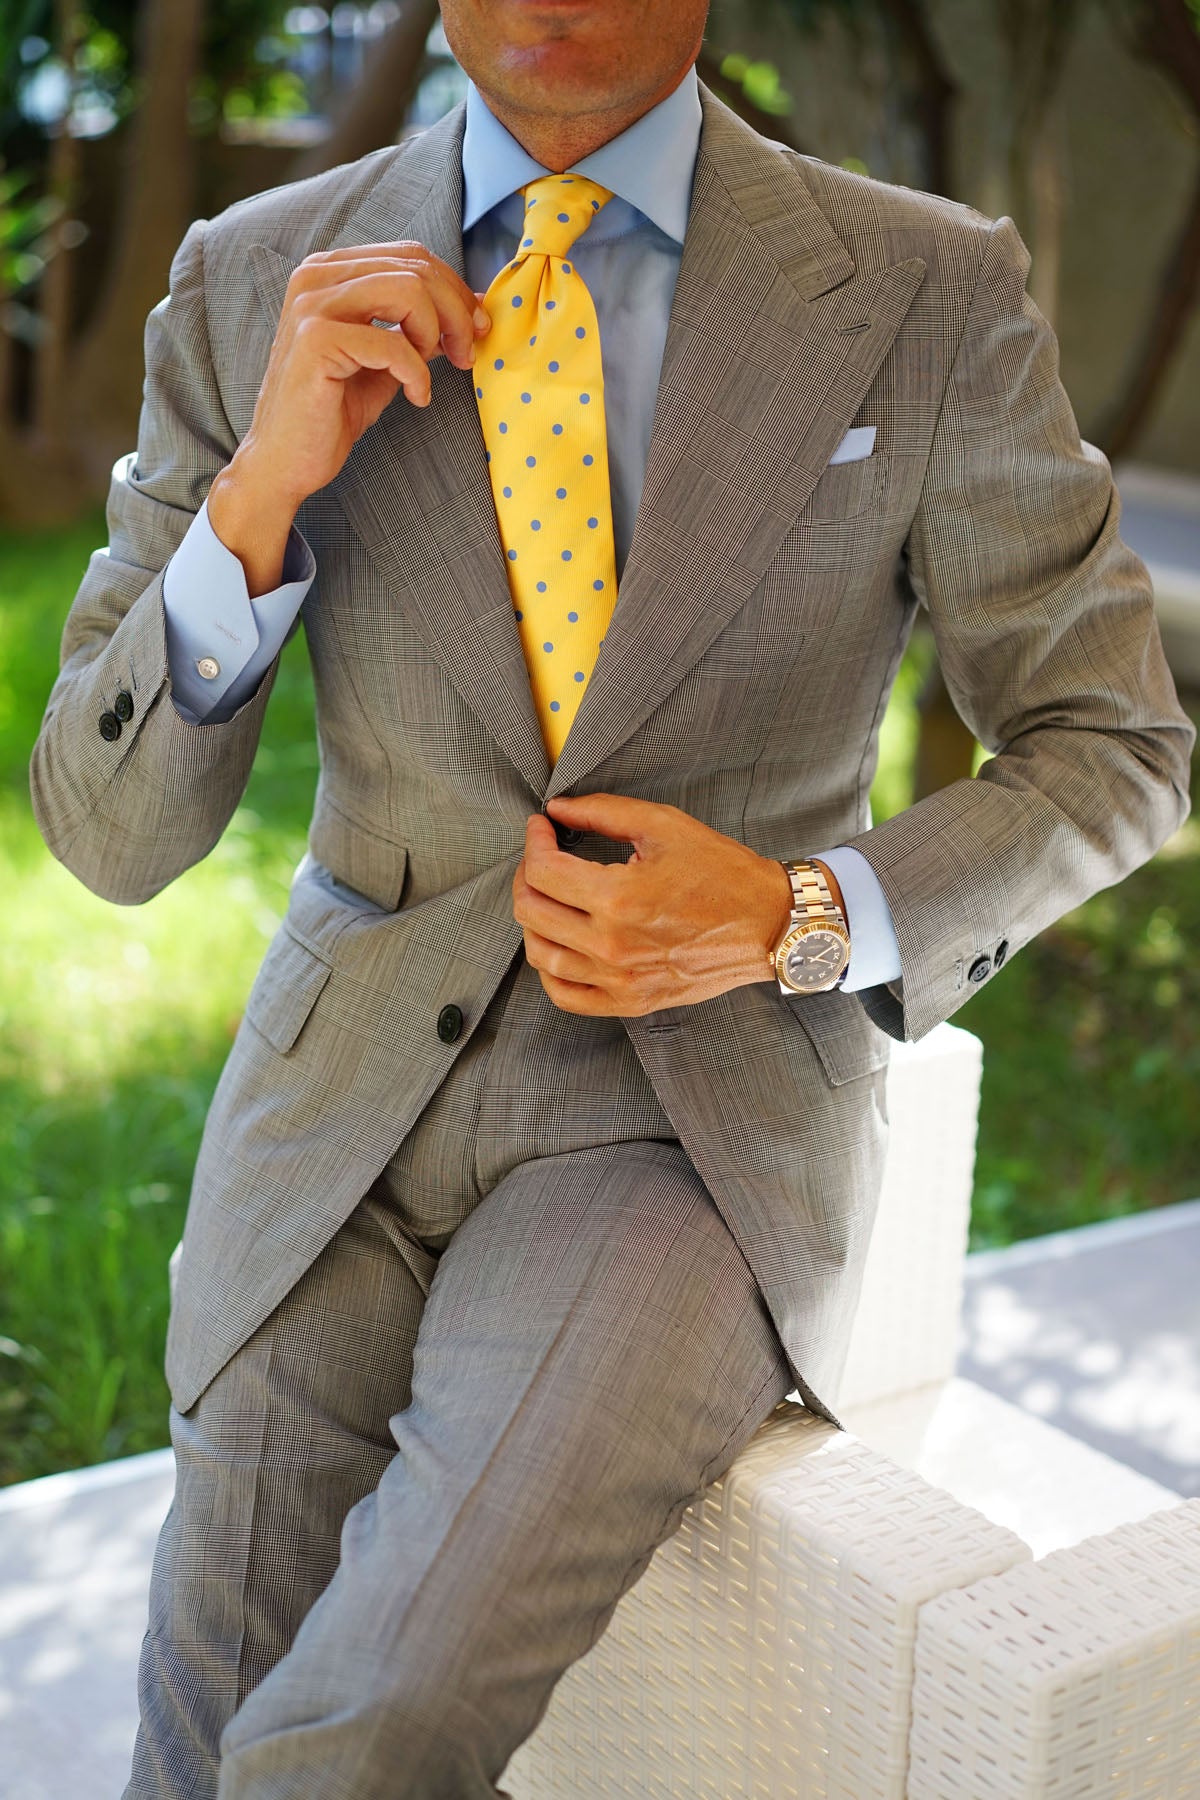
point(559, 143)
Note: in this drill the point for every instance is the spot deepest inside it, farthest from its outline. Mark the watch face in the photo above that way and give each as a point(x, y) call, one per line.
point(816, 962)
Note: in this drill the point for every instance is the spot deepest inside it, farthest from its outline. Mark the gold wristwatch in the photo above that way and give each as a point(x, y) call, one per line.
point(814, 952)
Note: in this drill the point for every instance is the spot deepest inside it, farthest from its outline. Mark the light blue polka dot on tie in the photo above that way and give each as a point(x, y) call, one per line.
point(503, 428)
point(517, 300)
point(527, 243)
point(541, 587)
point(535, 524)
point(508, 493)
point(561, 493)
point(564, 218)
point(588, 461)
point(554, 368)
point(597, 585)
point(479, 393)
point(512, 556)
point(499, 363)
point(595, 206)
point(550, 305)
point(574, 618)
point(520, 615)
point(585, 399)
point(554, 706)
point(547, 646)
point(525, 399)
point(580, 331)
point(533, 340)
point(531, 462)
point(566, 268)
point(557, 430)
point(566, 556)
point(487, 456)
point(579, 674)
point(592, 524)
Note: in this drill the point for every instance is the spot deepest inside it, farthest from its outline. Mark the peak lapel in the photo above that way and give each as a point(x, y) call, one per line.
point(775, 336)
point(415, 487)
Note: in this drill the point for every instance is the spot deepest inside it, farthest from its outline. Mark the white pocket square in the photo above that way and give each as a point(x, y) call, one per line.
point(855, 445)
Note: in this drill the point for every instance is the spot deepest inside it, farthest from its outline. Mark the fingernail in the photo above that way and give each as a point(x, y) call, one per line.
point(482, 322)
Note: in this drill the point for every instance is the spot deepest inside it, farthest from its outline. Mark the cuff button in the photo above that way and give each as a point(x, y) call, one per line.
point(110, 727)
point(980, 969)
point(123, 707)
point(208, 667)
point(1001, 953)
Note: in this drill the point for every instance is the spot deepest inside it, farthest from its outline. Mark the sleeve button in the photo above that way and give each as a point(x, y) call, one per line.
point(123, 707)
point(980, 969)
point(450, 1024)
point(110, 727)
point(208, 667)
point(1001, 953)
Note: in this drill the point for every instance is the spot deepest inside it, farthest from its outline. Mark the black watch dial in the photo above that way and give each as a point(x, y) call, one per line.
point(817, 962)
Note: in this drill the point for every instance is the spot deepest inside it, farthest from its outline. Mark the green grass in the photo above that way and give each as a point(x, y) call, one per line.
point(114, 1024)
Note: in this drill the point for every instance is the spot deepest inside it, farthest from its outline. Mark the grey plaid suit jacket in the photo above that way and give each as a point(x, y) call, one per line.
point(762, 614)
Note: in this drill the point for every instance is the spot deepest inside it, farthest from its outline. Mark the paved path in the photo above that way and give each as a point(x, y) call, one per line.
point(1097, 1331)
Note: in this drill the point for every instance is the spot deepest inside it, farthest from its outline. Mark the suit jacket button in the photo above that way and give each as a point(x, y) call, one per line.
point(110, 727)
point(980, 969)
point(568, 836)
point(123, 707)
point(208, 668)
point(1001, 953)
point(450, 1024)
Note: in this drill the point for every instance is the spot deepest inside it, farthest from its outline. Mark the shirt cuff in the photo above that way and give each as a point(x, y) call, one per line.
point(874, 952)
point(220, 642)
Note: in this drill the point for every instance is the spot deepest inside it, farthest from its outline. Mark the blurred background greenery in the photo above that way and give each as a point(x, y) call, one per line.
point(122, 119)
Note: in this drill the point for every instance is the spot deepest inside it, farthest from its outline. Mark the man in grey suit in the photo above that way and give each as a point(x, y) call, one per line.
point(541, 1171)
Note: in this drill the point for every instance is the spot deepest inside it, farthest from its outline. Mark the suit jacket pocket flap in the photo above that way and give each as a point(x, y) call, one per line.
point(285, 990)
point(842, 1035)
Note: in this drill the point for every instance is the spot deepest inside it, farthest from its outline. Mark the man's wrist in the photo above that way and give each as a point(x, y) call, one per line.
point(253, 521)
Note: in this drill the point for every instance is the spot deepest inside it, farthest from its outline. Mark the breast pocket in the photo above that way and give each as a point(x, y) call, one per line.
point(845, 490)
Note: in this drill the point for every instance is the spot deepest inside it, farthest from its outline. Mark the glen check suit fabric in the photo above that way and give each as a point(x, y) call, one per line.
point(763, 610)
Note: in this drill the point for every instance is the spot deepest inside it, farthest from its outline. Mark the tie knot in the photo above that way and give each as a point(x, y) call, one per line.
point(558, 209)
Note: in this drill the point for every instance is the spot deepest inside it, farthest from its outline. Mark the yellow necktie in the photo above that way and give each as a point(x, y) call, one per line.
point(540, 388)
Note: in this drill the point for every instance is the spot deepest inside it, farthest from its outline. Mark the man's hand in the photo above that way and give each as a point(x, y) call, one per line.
point(330, 375)
point(690, 915)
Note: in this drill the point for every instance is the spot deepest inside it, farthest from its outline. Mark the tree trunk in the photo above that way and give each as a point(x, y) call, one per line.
point(156, 208)
point(1162, 334)
point(374, 110)
point(1166, 33)
point(55, 288)
point(934, 95)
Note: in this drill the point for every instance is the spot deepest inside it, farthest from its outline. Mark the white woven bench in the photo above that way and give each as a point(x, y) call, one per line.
point(827, 1625)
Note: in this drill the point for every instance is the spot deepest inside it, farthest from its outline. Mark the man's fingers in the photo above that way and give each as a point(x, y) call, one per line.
point(636, 822)
point(557, 923)
point(345, 349)
point(415, 290)
point(551, 958)
point(566, 878)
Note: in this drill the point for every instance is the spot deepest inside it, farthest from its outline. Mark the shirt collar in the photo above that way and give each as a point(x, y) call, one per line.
point(650, 165)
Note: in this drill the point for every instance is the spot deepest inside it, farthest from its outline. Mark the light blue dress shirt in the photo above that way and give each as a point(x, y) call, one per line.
point(629, 259)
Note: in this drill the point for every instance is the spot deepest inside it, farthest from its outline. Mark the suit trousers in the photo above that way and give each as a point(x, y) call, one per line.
point(416, 1494)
